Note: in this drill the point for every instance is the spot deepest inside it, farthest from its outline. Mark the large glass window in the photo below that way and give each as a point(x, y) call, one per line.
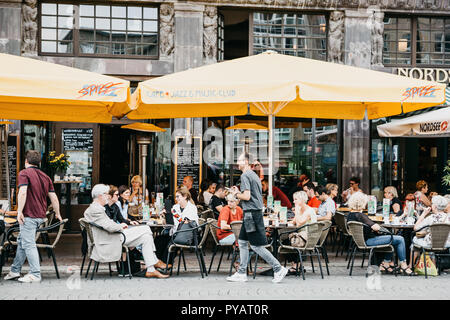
point(430, 36)
point(302, 35)
point(88, 29)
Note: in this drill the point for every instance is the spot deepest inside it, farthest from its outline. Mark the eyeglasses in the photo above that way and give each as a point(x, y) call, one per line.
point(352, 183)
point(116, 194)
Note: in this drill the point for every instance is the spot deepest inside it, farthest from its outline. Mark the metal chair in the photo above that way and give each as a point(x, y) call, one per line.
point(321, 244)
point(356, 229)
point(213, 228)
point(200, 232)
point(89, 233)
point(439, 236)
point(50, 247)
point(314, 231)
point(2, 252)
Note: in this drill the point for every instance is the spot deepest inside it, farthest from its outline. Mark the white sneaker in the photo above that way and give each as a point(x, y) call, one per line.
point(237, 277)
point(29, 278)
point(12, 276)
point(278, 276)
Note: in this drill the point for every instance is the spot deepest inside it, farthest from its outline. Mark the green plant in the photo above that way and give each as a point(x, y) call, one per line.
point(60, 162)
point(446, 177)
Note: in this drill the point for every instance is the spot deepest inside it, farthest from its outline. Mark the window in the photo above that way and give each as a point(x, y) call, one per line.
point(220, 37)
point(416, 41)
point(85, 29)
point(302, 35)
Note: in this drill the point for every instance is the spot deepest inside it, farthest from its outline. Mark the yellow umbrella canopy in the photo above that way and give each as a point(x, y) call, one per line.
point(247, 126)
point(31, 89)
point(284, 86)
point(146, 127)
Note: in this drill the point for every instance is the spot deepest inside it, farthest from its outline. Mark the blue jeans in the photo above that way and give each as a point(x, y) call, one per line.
point(26, 247)
point(398, 242)
point(230, 239)
point(261, 251)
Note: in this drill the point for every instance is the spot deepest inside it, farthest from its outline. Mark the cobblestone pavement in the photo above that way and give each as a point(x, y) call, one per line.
point(190, 286)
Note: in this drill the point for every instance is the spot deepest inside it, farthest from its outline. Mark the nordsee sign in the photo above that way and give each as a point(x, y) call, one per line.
point(434, 126)
point(431, 74)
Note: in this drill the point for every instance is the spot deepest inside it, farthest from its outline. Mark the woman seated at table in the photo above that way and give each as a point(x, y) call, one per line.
point(430, 216)
point(231, 212)
point(357, 203)
point(422, 201)
point(136, 197)
point(124, 198)
point(112, 209)
point(303, 215)
point(396, 205)
point(183, 211)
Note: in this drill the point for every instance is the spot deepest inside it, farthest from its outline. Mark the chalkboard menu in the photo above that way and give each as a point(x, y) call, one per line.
point(13, 167)
point(188, 160)
point(78, 139)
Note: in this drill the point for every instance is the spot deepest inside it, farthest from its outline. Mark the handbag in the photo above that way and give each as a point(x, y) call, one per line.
point(249, 223)
point(185, 238)
point(420, 267)
point(298, 239)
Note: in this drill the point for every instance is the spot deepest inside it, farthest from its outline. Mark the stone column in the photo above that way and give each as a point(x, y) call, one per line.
point(10, 26)
point(356, 149)
point(188, 36)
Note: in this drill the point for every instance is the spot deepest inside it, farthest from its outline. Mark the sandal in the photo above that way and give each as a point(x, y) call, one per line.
point(388, 270)
point(404, 272)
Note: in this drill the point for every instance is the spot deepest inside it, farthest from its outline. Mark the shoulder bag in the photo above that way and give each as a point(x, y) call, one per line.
point(185, 238)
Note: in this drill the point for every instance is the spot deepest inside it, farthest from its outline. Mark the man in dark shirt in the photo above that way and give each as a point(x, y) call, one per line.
point(34, 187)
point(277, 194)
point(188, 182)
point(218, 200)
point(252, 230)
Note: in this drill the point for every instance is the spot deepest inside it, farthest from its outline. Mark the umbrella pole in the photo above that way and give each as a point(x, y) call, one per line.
point(270, 153)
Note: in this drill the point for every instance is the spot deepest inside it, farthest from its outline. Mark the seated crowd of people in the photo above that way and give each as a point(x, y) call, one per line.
point(309, 203)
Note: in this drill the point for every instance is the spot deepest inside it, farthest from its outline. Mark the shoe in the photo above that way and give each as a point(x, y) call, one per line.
point(388, 270)
point(278, 276)
point(162, 265)
point(404, 272)
point(156, 274)
point(28, 278)
point(12, 276)
point(237, 277)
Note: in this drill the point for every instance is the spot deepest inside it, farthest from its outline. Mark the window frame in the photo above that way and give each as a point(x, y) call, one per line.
point(76, 35)
point(414, 31)
point(296, 12)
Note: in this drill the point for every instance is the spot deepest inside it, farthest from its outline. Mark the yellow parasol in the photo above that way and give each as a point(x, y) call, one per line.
point(145, 127)
point(31, 89)
point(247, 126)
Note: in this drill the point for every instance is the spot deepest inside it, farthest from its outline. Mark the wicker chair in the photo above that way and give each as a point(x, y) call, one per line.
point(314, 231)
point(213, 228)
point(439, 236)
point(345, 236)
point(356, 230)
point(321, 244)
point(206, 214)
point(201, 232)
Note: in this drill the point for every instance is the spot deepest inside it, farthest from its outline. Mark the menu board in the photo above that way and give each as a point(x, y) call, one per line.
point(13, 158)
point(188, 160)
point(78, 139)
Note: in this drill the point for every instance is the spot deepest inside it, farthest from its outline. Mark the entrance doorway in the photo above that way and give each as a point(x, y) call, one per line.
point(118, 158)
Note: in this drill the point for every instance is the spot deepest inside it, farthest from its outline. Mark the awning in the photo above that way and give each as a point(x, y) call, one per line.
point(432, 124)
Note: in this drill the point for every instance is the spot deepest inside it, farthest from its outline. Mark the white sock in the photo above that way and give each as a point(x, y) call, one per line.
point(151, 269)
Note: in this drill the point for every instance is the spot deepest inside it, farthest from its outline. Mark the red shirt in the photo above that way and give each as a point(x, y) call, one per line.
point(314, 202)
point(39, 185)
point(225, 214)
point(279, 195)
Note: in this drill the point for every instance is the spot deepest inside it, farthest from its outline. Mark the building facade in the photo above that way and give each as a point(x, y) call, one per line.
point(139, 40)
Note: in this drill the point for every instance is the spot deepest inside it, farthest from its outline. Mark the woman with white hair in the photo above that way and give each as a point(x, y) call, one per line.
point(396, 205)
point(429, 216)
point(357, 203)
point(303, 215)
point(110, 238)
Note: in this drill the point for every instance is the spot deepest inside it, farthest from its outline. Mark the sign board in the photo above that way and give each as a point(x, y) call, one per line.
point(78, 139)
point(188, 160)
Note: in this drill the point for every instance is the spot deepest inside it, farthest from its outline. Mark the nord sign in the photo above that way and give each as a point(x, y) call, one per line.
point(438, 75)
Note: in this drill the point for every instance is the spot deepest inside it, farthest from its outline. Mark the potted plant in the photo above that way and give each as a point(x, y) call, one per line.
point(446, 177)
point(58, 164)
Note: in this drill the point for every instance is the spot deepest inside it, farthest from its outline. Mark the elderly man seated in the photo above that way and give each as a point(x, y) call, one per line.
point(110, 240)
